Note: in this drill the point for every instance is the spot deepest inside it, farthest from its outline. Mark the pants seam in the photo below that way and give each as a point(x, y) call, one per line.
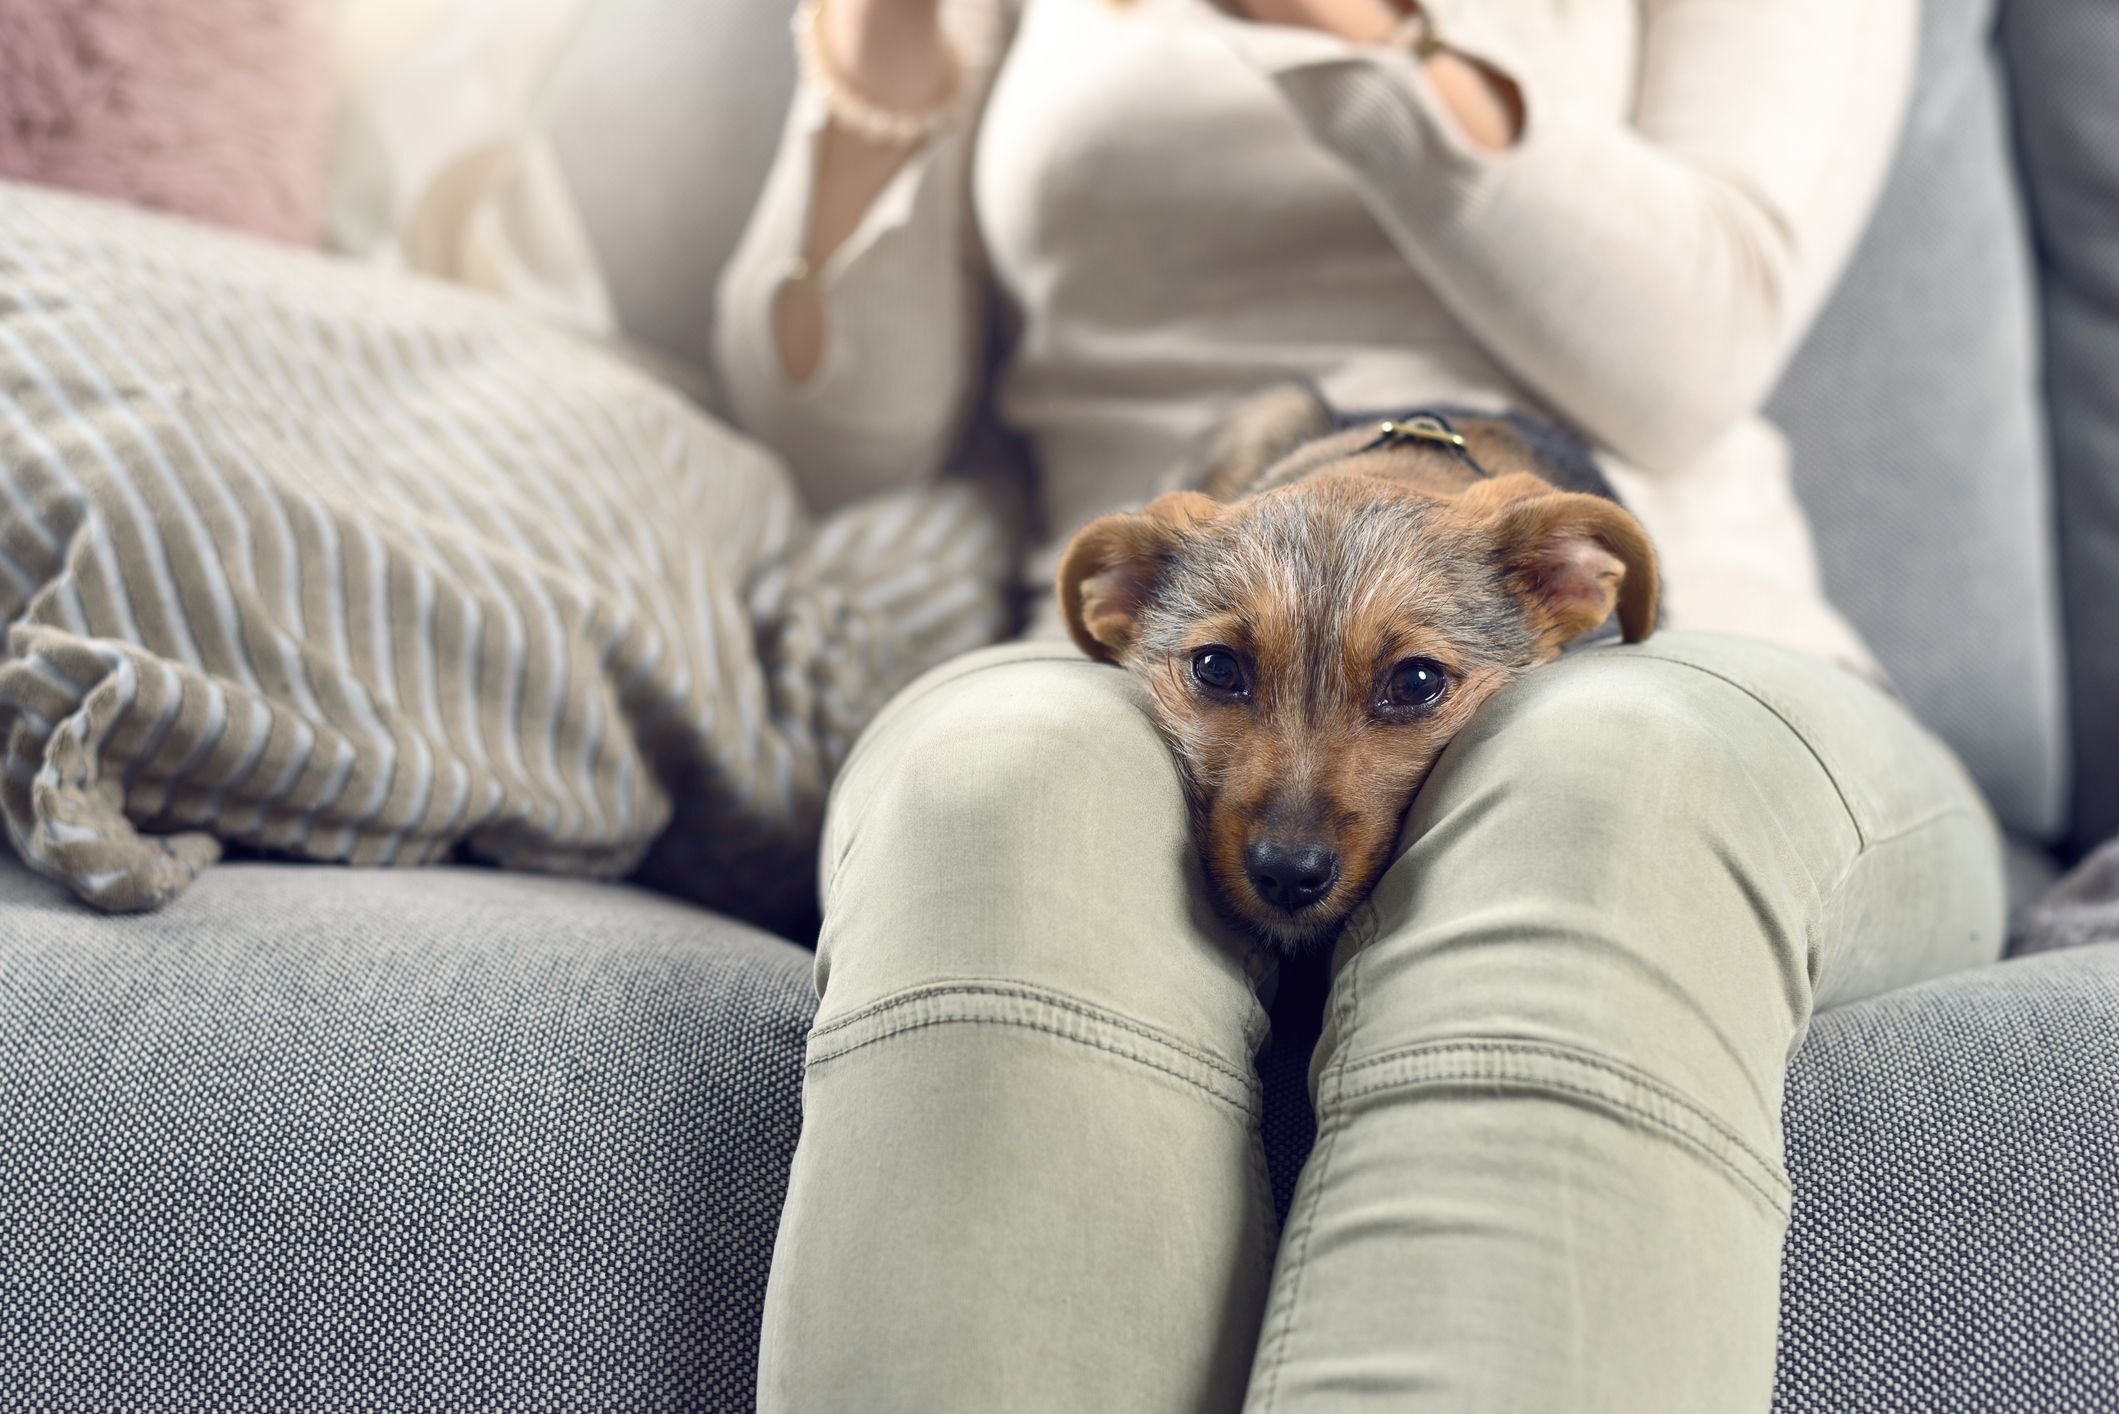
point(1781, 715)
point(1862, 854)
point(1567, 1055)
point(940, 1007)
point(1039, 996)
point(1505, 1065)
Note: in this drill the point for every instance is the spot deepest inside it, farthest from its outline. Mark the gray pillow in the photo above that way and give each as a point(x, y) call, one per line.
point(2064, 57)
point(1918, 439)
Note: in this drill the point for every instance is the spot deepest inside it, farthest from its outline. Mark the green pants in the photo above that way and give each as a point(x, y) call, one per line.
point(1548, 1171)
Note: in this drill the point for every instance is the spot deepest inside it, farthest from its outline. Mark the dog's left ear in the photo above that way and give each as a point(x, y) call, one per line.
point(1113, 565)
point(1574, 558)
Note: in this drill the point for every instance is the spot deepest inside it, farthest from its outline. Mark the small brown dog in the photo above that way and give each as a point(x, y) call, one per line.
point(1317, 622)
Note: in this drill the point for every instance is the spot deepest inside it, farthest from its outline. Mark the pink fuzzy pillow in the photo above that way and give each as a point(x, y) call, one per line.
point(209, 108)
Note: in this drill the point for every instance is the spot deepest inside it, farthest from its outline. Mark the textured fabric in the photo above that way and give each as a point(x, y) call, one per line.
point(2082, 908)
point(1955, 1242)
point(324, 1139)
point(1919, 443)
point(1550, 1080)
point(349, 568)
point(213, 109)
point(2064, 56)
point(1689, 184)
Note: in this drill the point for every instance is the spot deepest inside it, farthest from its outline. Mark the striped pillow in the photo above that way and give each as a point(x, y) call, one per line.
point(352, 567)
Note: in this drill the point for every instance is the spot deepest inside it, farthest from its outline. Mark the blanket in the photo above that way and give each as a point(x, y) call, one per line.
point(337, 565)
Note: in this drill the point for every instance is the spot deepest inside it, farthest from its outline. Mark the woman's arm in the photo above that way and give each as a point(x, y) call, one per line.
point(847, 334)
point(1648, 280)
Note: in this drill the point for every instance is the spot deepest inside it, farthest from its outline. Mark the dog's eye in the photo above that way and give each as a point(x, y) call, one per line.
point(1414, 684)
point(1218, 669)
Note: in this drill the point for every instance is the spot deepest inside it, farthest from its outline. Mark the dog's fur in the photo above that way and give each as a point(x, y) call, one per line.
point(1323, 562)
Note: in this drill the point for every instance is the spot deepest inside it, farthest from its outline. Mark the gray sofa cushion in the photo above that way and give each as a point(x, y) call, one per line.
point(1919, 448)
point(318, 1138)
point(2064, 57)
point(445, 1139)
point(1955, 1150)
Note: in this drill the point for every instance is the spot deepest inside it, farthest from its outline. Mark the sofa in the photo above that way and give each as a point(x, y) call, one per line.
point(460, 1138)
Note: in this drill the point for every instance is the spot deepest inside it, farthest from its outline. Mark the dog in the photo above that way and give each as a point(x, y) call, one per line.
point(1325, 610)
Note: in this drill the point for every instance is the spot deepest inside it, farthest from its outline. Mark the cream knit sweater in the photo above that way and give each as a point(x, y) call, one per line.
point(1174, 206)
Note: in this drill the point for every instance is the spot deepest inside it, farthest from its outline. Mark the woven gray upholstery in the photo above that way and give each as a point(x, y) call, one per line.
point(445, 1139)
point(2064, 55)
point(1955, 1150)
point(1919, 443)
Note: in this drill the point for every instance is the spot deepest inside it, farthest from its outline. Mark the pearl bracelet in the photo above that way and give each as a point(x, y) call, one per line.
point(853, 110)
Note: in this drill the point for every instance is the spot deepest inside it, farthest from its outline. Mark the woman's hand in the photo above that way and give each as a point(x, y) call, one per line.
point(1488, 110)
point(890, 51)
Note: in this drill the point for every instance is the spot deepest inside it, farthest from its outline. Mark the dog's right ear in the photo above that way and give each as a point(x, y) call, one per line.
point(1113, 565)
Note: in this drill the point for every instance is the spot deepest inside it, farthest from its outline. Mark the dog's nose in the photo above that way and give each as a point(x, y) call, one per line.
point(1290, 877)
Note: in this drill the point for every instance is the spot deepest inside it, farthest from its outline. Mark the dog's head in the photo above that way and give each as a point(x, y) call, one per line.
point(1313, 634)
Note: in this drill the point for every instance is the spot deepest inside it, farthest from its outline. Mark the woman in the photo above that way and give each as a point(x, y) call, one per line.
point(1548, 1173)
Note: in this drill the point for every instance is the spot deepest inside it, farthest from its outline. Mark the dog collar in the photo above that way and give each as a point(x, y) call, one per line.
point(1424, 427)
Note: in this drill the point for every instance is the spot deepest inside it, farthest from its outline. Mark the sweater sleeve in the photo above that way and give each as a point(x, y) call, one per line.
point(902, 300)
point(1647, 279)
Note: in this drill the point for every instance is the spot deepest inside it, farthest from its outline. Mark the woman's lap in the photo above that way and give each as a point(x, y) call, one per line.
point(1618, 898)
point(1550, 1079)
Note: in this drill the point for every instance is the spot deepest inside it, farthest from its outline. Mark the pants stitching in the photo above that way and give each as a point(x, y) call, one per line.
point(1247, 1107)
point(1867, 850)
point(1617, 1069)
point(1059, 1001)
point(1776, 1200)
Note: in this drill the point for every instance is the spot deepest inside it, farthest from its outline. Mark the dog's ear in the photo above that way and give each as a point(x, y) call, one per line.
point(1573, 558)
point(1256, 433)
point(1112, 566)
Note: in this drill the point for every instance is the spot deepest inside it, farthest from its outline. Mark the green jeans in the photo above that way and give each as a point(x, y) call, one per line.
point(1548, 1171)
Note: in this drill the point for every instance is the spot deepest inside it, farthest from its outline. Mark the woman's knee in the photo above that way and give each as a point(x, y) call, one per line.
point(1619, 864)
point(1609, 759)
point(1017, 821)
point(998, 772)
